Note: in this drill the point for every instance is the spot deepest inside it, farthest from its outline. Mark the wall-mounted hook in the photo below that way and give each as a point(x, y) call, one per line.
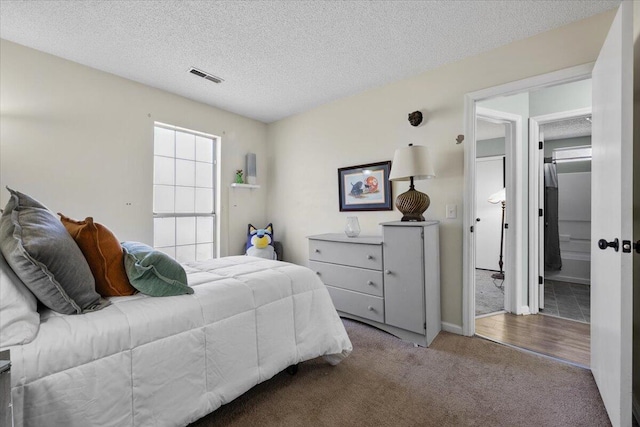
point(459, 139)
point(415, 118)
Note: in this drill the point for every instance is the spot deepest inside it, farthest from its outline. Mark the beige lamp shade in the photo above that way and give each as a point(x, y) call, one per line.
point(498, 197)
point(411, 162)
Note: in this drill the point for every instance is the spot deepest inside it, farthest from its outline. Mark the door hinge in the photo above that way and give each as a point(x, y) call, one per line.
point(540, 280)
point(471, 228)
point(506, 226)
point(425, 326)
point(541, 145)
point(540, 212)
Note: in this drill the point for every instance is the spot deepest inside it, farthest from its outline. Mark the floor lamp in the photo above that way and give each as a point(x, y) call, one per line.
point(495, 198)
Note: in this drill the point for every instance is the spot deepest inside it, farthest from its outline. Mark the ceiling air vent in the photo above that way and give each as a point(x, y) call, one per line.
point(204, 75)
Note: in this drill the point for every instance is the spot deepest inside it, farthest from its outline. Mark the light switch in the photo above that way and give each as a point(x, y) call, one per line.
point(452, 211)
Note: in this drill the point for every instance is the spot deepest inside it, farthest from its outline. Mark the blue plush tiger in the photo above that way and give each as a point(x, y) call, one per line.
point(260, 242)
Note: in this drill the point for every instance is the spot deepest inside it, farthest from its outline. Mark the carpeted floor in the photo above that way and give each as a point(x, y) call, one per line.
point(489, 297)
point(458, 381)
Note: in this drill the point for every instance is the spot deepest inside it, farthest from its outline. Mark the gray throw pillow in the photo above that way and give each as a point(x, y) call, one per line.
point(153, 272)
point(45, 257)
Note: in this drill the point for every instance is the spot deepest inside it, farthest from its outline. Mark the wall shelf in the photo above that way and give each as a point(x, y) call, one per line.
point(251, 186)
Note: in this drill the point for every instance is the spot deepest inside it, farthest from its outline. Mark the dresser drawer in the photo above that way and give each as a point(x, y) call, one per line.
point(352, 254)
point(358, 304)
point(351, 278)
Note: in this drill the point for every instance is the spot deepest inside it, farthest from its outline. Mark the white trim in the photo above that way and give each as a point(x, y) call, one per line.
point(513, 176)
point(535, 182)
point(185, 130)
point(450, 327)
point(218, 206)
point(468, 239)
point(490, 158)
point(567, 75)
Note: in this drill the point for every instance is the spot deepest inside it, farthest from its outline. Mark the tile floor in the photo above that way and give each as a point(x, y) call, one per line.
point(567, 300)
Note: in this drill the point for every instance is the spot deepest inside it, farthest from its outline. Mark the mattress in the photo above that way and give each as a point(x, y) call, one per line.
point(168, 361)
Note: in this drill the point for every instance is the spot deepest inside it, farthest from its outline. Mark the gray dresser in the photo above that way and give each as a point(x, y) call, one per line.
point(391, 281)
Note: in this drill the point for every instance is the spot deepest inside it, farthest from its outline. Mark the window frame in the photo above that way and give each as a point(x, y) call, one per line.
point(215, 153)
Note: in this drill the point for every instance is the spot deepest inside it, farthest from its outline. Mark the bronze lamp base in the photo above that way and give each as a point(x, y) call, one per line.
point(412, 204)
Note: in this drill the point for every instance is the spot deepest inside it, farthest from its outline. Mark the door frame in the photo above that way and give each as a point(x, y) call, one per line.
point(536, 199)
point(512, 140)
point(567, 75)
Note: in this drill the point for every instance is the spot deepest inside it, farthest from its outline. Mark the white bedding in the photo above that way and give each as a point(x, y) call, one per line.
point(171, 360)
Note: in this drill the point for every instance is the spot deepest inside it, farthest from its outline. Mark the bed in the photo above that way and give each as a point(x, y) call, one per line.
point(168, 361)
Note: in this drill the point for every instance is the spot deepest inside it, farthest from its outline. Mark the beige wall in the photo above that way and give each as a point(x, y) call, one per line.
point(81, 141)
point(306, 150)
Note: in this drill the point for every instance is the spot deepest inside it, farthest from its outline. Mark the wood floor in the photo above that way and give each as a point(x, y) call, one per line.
point(552, 336)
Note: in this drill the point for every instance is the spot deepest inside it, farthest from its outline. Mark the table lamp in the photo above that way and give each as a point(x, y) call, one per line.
point(409, 163)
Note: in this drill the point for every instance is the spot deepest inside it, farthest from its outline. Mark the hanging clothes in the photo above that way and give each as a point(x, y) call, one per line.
point(552, 259)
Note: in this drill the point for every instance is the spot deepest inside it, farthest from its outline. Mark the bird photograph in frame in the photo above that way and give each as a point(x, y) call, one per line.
point(365, 187)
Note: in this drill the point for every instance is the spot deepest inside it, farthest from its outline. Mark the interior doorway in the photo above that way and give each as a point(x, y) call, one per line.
point(492, 282)
point(565, 337)
point(612, 212)
point(562, 169)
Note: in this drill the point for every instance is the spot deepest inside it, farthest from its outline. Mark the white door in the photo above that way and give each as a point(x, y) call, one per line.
point(489, 180)
point(611, 209)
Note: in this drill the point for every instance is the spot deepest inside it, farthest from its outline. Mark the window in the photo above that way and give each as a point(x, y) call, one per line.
point(183, 193)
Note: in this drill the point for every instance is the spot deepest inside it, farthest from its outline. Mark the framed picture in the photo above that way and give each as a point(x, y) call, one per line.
point(365, 187)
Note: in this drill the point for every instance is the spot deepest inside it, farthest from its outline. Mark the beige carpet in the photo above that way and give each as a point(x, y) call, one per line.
point(458, 381)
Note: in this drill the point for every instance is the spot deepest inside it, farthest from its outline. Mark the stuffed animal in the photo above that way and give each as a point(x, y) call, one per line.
point(260, 242)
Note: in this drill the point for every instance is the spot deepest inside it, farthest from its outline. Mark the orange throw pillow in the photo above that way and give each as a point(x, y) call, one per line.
point(104, 255)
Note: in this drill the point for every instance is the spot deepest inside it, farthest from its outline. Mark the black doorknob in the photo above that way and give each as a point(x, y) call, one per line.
point(477, 219)
point(603, 244)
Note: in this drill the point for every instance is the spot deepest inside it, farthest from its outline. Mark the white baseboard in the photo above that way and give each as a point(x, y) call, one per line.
point(450, 327)
point(524, 310)
point(635, 407)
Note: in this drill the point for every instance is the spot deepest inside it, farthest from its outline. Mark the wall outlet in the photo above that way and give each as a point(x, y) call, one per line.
point(452, 211)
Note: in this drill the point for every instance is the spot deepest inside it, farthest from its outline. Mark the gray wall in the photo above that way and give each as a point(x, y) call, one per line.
point(490, 147)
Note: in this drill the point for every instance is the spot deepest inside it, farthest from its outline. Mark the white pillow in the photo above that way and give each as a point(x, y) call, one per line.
point(19, 318)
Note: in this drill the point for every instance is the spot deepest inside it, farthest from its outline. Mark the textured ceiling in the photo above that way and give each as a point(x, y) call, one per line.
point(569, 128)
point(278, 58)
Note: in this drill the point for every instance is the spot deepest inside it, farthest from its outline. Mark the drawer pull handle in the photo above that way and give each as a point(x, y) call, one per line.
point(369, 256)
point(369, 282)
point(387, 272)
point(317, 251)
point(370, 308)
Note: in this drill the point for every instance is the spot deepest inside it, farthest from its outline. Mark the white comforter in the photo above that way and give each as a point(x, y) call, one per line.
point(169, 361)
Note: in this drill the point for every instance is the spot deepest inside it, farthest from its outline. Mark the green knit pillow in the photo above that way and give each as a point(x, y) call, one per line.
point(153, 272)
